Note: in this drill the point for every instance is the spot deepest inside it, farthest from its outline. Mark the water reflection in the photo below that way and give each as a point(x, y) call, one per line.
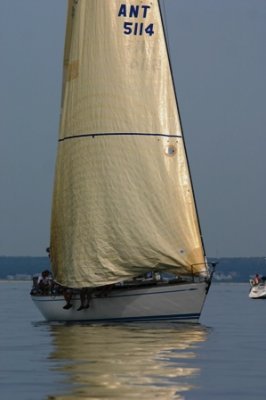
point(126, 362)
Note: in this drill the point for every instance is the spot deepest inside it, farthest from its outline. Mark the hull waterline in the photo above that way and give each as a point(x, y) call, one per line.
point(175, 302)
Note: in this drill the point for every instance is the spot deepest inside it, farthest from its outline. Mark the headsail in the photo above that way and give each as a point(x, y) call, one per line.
point(123, 202)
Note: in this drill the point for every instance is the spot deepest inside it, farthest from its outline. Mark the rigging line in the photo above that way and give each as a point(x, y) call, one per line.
point(118, 134)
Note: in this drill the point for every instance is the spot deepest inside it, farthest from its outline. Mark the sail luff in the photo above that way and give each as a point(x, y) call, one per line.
point(181, 126)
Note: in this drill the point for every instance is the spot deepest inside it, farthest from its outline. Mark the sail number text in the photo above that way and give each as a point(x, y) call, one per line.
point(132, 27)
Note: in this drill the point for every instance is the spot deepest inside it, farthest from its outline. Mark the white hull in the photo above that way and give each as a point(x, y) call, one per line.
point(258, 291)
point(178, 302)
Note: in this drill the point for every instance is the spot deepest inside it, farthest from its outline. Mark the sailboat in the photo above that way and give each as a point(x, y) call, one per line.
point(124, 216)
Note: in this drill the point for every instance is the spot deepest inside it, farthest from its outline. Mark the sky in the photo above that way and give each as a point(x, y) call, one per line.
point(219, 62)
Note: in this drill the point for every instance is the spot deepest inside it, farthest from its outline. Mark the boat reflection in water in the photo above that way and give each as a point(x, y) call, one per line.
point(128, 361)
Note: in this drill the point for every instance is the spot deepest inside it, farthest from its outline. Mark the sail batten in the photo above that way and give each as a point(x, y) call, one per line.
point(123, 202)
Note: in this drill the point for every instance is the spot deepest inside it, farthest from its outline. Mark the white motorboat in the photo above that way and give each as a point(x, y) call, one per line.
point(258, 291)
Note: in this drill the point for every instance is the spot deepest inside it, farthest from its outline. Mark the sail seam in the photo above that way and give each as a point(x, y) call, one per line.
point(118, 134)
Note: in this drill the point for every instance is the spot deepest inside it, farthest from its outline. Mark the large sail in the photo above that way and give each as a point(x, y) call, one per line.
point(123, 201)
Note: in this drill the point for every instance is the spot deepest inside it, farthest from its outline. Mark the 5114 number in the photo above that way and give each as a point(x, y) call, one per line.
point(138, 28)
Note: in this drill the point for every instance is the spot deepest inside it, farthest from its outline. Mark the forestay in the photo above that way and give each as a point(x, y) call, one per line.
point(123, 202)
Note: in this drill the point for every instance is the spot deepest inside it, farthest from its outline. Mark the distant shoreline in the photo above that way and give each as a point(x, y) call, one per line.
point(15, 280)
point(228, 269)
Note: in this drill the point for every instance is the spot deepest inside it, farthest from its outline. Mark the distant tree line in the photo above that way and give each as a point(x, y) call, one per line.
point(236, 269)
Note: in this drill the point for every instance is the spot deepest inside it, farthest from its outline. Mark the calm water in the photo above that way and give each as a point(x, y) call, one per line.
point(223, 357)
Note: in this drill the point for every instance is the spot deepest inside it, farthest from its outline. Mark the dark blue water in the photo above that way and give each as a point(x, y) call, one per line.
point(223, 357)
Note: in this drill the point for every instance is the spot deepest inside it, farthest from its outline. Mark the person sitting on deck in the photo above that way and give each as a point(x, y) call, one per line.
point(44, 282)
point(85, 297)
point(67, 293)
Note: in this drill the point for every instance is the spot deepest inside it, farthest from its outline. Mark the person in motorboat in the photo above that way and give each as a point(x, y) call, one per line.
point(257, 279)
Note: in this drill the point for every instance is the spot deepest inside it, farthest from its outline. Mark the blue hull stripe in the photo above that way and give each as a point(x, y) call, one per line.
point(173, 317)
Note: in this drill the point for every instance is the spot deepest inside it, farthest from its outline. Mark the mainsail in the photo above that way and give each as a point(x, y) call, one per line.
point(123, 202)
